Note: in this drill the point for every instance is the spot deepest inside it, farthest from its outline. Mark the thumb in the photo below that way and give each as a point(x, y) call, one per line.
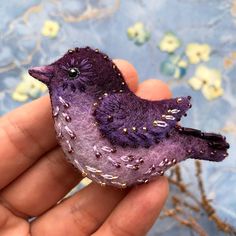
point(153, 89)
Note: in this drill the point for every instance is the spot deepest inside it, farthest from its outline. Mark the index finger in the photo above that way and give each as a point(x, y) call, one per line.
point(27, 133)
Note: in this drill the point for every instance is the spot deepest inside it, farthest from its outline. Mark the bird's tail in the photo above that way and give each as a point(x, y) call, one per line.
point(203, 146)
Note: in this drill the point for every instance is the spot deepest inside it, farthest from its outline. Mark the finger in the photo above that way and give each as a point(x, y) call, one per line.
point(81, 214)
point(128, 71)
point(11, 224)
point(42, 186)
point(27, 132)
point(153, 90)
point(137, 212)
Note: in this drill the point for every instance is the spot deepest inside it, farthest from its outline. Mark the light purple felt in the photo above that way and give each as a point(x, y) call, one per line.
point(109, 134)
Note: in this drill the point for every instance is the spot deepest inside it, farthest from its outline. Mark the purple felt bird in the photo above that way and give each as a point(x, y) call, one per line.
point(112, 136)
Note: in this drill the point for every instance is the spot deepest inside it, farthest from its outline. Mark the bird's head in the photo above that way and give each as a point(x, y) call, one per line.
point(82, 70)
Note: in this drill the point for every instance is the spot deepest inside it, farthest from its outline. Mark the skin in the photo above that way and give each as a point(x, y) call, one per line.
point(35, 176)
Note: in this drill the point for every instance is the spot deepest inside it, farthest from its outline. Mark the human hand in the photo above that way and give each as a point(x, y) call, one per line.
point(35, 176)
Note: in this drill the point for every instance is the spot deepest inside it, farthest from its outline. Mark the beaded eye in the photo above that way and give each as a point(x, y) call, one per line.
point(73, 72)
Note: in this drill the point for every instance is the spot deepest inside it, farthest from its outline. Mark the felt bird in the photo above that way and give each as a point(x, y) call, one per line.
point(112, 136)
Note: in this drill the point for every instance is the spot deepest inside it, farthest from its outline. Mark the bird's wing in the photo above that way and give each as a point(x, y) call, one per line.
point(128, 120)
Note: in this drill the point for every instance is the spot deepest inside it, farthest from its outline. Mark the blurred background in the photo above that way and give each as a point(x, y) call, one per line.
point(189, 44)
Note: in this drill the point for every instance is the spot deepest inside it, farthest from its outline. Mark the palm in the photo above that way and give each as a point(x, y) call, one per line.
point(35, 176)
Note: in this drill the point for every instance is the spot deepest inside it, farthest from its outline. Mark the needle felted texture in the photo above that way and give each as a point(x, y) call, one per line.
point(111, 135)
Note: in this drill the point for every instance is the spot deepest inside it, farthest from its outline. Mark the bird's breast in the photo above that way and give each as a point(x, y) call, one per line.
point(91, 153)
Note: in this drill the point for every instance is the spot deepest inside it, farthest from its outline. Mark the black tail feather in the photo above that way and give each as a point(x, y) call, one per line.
point(205, 146)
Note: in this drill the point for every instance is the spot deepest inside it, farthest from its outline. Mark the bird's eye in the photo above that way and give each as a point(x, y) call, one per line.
point(73, 72)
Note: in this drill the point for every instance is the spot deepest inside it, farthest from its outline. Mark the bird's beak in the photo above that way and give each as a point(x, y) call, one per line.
point(42, 73)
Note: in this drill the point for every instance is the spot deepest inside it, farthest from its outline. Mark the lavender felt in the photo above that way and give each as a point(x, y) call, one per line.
point(111, 135)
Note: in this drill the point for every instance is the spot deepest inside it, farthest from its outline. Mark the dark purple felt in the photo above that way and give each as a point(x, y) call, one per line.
point(98, 73)
point(120, 111)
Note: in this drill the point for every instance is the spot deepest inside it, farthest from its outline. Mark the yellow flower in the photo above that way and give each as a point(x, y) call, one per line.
point(169, 43)
point(135, 29)
point(212, 92)
point(138, 33)
point(197, 53)
point(183, 64)
point(28, 88)
point(209, 81)
point(50, 28)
